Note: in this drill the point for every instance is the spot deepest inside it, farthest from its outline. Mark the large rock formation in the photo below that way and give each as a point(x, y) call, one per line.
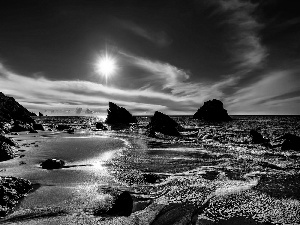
point(119, 115)
point(164, 124)
point(212, 110)
point(12, 190)
point(10, 109)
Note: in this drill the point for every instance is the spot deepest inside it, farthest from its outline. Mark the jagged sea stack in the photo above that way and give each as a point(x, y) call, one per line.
point(118, 115)
point(212, 110)
point(164, 124)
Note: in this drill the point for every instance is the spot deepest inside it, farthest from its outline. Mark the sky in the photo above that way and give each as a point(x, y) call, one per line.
point(169, 55)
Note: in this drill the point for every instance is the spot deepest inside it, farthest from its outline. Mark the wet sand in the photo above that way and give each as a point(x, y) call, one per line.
point(73, 188)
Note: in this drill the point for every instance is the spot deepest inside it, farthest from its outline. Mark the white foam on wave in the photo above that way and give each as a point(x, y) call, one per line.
point(236, 189)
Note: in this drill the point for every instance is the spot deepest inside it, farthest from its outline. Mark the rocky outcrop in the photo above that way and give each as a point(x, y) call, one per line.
point(291, 142)
point(118, 115)
point(12, 190)
point(212, 110)
point(41, 114)
point(119, 203)
point(6, 150)
point(19, 126)
point(8, 141)
point(51, 164)
point(10, 109)
point(164, 124)
point(257, 138)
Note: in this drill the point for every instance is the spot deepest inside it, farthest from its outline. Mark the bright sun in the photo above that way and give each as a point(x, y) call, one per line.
point(106, 65)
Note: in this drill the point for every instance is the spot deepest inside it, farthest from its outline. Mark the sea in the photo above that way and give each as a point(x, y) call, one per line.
point(212, 170)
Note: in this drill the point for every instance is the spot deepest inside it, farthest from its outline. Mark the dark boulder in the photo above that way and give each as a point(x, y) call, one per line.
point(63, 127)
point(119, 203)
point(50, 164)
point(291, 142)
point(12, 190)
point(257, 138)
point(41, 114)
point(212, 110)
point(6, 152)
point(38, 126)
point(10, 109)
point(100, 126)
point(164, 124)
point(119, 115)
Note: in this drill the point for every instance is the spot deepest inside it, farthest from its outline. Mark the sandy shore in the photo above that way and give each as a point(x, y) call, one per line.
point(72, 189)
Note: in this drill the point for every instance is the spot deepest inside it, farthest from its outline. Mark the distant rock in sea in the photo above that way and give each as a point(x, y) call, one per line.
point(41, 114)
point(10, 109)
point(212, 110)
point(257, 138)
point(164, 124)
point(12, 191)
point(119, 115)
point(38, 126)
point(100, 126)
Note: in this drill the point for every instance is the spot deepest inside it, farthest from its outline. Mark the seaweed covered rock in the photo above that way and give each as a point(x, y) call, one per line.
point(50, 164)
point(291, 142)
point(12, 190)
point(118, 203)
point(164, 124)
point(10, 109)
point(119, 115)
point(212, 110)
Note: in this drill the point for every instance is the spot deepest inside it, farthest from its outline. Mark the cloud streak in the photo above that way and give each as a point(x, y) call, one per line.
point(158, 38)
point(248, 51)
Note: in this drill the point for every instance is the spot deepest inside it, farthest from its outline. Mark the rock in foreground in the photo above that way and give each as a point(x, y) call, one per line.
point(291, 142)
point(119, 203)
point(212, 110)
point(12, 190)
point(164, 124)
point(119, 115)
point(50, 164)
